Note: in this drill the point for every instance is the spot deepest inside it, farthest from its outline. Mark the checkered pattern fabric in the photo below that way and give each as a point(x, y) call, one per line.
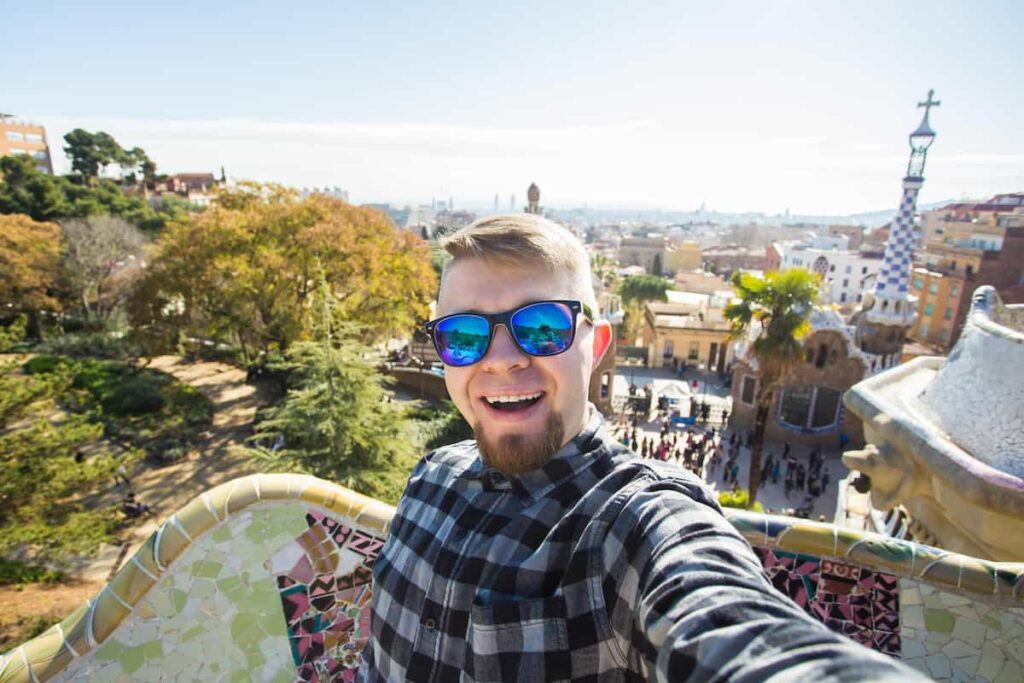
point(599, 566)
point(894, 276)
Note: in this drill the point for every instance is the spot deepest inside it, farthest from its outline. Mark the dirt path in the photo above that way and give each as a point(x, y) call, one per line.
point(29, 610)
point(216, 458)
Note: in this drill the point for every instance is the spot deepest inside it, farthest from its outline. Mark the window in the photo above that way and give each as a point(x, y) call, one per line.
point(864, 270)
point(944, 335)
point(606, 380)
point(694, 352)
point(948, 313)
point(859, 297)
point(918, 283)
point(842, 298)
point(669, 349)
point(924, 329)
point(15, 136)
point(846, 283)
point(832, 268)
point(929, 309)
point(39, 154)
point(809, 408)
point(933, 288)
point(954, 291)
point(33, 137)
point(969, 269)
point(826, 405)
point(747, 395)
point(848, 269)
point(795, 405)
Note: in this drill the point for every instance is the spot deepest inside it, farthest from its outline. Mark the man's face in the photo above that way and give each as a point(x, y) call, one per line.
point(524, 438)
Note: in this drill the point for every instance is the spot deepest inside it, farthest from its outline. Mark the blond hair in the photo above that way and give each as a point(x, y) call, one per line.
point(527, 241)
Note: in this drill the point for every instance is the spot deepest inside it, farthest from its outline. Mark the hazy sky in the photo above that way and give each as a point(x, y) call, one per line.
point(745, 106)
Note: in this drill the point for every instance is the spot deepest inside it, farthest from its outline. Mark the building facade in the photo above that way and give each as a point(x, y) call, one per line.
point(28, 139)
point(688, 330)
point(964, 256)
point(846, 273)
point(649, 253)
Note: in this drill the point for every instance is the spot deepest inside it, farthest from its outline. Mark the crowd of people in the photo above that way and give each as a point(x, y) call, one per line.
point(711, 452)
point(697, 450)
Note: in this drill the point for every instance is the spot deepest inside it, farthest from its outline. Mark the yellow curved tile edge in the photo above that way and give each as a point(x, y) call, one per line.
point(45, 656)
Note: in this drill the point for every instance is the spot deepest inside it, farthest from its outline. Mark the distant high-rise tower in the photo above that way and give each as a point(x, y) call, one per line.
point(451, 203)
point(512, 202)
point(495, 202)
point(533, 197)
point(888, 312)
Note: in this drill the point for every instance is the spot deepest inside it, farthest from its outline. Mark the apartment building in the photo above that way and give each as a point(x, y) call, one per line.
point(965, 255)
point(19, 137)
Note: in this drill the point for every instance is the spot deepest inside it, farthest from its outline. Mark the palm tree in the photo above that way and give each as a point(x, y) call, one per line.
point(780, 303)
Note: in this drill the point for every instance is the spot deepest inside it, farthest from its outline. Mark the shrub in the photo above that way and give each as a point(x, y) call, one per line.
point(12, 334)
point(43, 365)
point(136, 396)
point(738, 499)
point(90, 345)
point(14, 572)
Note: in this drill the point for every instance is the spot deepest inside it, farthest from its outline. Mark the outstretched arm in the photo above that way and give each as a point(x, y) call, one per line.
point(688, 600)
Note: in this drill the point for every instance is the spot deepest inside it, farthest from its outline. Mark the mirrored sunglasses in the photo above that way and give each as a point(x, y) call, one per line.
point(543, 328)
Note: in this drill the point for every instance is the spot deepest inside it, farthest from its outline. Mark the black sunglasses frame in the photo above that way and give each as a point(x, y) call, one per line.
point(494, 319)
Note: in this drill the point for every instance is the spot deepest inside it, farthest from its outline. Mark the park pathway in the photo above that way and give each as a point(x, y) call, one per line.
point(216, 458)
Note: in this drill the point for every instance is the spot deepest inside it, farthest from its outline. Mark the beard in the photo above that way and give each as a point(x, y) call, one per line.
point(520, 453)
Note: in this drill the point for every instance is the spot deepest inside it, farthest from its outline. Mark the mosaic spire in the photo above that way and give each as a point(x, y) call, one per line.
point(892, 302)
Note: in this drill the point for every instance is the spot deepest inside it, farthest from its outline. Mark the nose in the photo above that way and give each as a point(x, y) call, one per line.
point(504, 355)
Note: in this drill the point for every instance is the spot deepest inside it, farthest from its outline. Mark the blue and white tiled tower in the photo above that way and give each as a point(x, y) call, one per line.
point(891, 302)
point(888, 311)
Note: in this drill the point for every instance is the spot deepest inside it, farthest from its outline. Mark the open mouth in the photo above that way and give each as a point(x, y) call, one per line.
point(511, 404)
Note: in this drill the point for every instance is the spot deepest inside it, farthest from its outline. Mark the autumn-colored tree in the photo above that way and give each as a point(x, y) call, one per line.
point(30, 254)
point(778, 306)
point(244, 271)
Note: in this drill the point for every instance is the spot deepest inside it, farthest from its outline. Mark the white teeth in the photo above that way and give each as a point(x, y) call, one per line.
point(512, 399)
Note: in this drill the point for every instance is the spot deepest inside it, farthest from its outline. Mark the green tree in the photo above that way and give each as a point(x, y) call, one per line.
point(644, 288)
point(635, 291)
point(90, 153)
point(30, 254)
point(24, 189)
point(658, 266)
point(335, 421)
point(43, 487)
point(778, 308)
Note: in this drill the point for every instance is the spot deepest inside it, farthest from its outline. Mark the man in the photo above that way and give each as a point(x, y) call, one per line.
point(545, 551)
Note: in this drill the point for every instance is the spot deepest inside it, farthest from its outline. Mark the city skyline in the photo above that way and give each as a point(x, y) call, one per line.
point(769, 109)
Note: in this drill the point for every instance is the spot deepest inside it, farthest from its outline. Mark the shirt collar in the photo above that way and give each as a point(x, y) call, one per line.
point(563, 465)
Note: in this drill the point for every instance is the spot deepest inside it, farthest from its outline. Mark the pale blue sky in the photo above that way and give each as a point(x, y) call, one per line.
point(745, 106)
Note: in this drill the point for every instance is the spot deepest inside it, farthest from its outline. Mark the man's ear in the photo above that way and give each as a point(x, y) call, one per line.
point(602, 339)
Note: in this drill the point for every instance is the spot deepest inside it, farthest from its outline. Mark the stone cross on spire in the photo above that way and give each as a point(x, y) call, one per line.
point(929, 103)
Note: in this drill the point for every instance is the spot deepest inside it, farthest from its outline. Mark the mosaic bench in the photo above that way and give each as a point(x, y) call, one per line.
point(268, 578)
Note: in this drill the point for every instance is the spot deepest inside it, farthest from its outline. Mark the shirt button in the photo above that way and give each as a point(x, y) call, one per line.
point(429, 624)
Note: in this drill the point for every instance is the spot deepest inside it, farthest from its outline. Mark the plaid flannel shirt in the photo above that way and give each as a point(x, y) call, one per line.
point(599, 566)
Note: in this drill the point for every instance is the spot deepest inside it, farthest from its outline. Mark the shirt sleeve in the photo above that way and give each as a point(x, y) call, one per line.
point(688, 600)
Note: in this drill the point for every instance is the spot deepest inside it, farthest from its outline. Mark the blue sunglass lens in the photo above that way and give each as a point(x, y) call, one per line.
point(544, 329)
point(462, 339)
